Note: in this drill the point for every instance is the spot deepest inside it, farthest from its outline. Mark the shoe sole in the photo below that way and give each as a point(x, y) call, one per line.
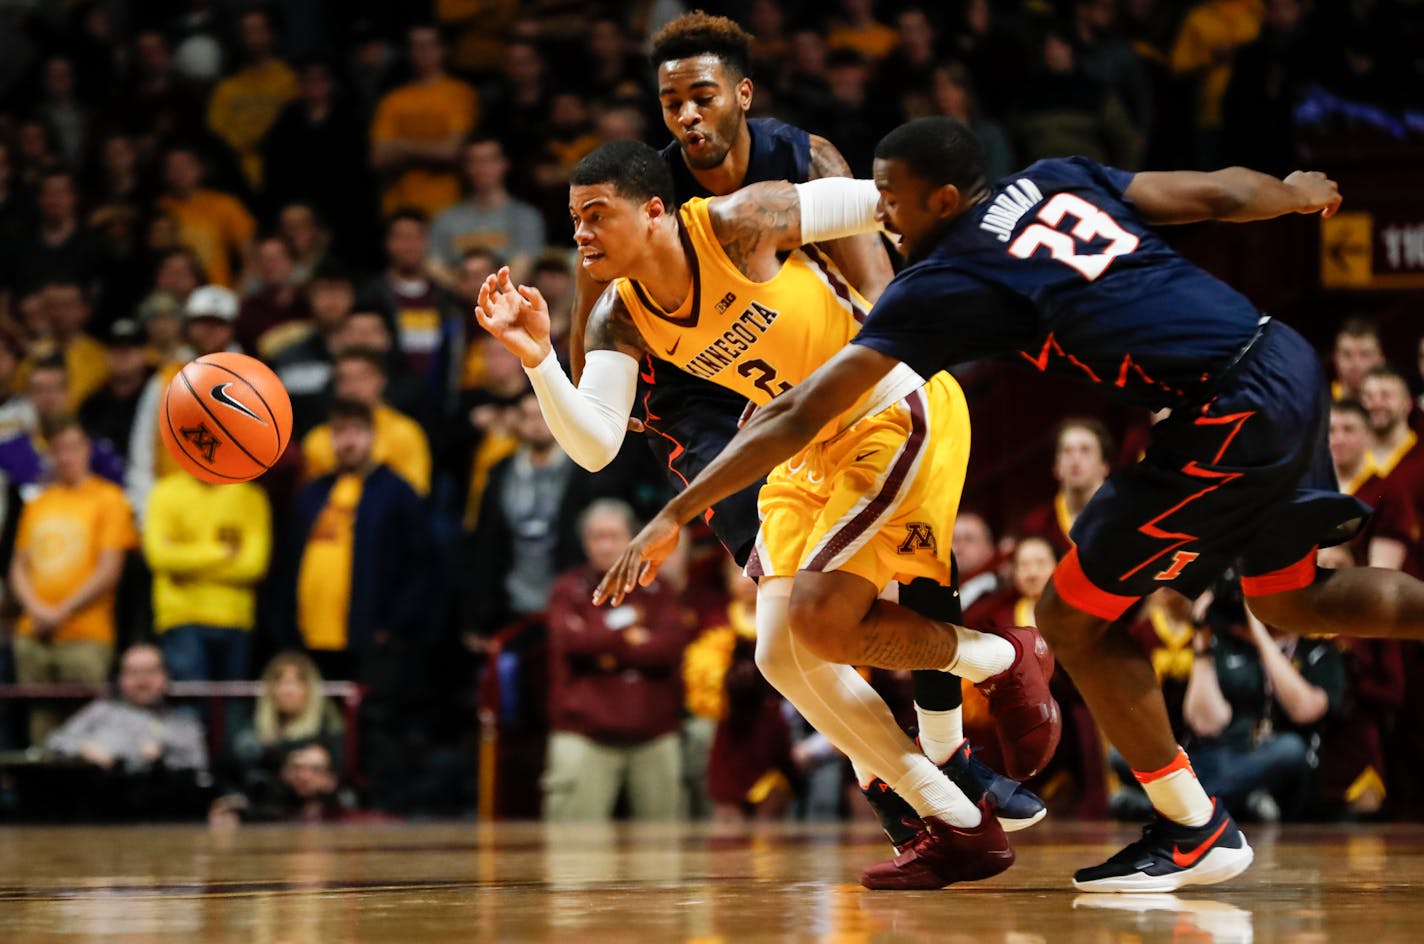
point(1219, 865)
point(1014, 825)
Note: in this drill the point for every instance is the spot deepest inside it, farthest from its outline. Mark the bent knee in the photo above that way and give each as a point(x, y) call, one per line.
point(1062, 624)
point(824, 621)
point(1288, 610)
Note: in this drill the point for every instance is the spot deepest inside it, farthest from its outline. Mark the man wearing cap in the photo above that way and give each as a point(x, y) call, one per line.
point(210, 319)
point(108, 413)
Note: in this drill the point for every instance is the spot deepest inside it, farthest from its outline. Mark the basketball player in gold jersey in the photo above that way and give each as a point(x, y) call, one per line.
point(723, 289)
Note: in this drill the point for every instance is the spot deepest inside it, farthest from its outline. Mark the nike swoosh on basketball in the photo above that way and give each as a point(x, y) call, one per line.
point(220, 394)
point(1187, 859)
point(673, 350)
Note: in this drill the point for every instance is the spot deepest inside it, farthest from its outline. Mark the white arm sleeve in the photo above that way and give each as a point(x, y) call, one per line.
point(588, 420)
point(832, 207)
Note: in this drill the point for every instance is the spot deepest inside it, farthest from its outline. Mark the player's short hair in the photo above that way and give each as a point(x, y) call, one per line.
point(344, 409)
point(1092, 425)
point(366, 355)
point(1351, 405)
point(938, 150)
point(1358, 326)
point(702, 34)
point(636, 171)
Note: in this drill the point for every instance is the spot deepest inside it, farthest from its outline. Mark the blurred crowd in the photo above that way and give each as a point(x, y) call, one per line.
point(326, 185)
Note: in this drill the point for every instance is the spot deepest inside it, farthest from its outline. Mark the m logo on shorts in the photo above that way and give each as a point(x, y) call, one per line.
point(202, 440)
point(918, 536)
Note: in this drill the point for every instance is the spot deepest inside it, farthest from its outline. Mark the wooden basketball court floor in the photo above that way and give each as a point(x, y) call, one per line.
point(462, 882)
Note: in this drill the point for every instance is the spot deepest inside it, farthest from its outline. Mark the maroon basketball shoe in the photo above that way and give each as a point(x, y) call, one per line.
point(941, 854)
point(1026, 716)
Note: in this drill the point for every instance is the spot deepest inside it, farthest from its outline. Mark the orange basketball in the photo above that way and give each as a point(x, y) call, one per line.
point(226, 418)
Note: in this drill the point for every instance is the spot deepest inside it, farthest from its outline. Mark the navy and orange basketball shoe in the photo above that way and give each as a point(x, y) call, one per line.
point(1015, 806)
point(941, 854)
point(1026, 716)
point(1170, 856)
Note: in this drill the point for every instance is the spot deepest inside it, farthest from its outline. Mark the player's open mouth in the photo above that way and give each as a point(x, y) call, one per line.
point(695, 139)
point(591, 258)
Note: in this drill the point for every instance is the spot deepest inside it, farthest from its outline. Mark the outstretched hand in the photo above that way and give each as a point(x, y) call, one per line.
point(1321, 194)
point(516, 315)
point(640, 560)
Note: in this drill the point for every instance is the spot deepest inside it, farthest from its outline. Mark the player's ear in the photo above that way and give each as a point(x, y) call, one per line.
point(655, 208)
point(945, 201)
point(744, 91)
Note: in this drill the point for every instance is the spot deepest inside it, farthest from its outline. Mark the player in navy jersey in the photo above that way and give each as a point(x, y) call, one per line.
point(705, 91)
point(1057, 268)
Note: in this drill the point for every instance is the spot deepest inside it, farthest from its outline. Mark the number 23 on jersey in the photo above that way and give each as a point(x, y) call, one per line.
point(1090, 223)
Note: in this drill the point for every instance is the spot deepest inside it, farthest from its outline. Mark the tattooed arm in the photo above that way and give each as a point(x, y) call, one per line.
point(862, 259)
point(757, 222)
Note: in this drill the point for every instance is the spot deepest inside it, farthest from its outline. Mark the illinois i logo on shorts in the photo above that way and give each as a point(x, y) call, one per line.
point(918, 536)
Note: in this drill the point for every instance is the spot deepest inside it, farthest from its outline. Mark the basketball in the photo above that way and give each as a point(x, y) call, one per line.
point(226, 418)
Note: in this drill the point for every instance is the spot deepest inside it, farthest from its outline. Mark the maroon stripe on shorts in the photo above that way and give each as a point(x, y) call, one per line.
point(755, 568)
point(862, 522)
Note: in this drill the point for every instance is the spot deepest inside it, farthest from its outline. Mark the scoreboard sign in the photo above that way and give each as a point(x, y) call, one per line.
point(1375, 250)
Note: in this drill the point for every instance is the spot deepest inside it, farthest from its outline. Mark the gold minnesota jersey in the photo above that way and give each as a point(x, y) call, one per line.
point(756, 338)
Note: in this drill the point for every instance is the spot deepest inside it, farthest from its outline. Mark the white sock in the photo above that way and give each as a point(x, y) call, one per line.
point(1176, 793)
point(841, 705)
point(932, 794)
point(941, 732)
point(980, 655)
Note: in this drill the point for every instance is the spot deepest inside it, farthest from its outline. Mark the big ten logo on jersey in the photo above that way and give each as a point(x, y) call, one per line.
point(919, 536)
point(726, 302)
point(735, 341)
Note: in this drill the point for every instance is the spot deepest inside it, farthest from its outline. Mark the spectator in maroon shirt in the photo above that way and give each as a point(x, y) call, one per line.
point(615, 688)
point(1080, 465)
point(275, 312)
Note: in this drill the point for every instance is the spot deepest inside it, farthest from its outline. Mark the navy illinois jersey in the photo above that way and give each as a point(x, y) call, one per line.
point(1056, 271)
point(779, 152)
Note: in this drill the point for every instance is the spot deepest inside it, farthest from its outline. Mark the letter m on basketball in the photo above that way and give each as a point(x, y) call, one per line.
point(1179, 561)
point(202, 440)
point(918, 535)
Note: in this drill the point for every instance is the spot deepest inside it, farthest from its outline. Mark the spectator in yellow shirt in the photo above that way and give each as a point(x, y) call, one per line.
point(1211, 34)
point(208, 547)
point(85, 360)
point(418, 129)
point(360, 375)
point(213, 224)
point(244, 105)
point(69, 554)
point(857, 28)
point(210, 317)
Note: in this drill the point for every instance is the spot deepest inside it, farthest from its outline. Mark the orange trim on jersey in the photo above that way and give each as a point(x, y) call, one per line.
point(1297, 575)
point(1180, 762)
point(1074, 586)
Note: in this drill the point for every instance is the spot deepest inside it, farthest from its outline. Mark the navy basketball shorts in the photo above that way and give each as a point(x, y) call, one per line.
point(1244, 480)
point(689, 421)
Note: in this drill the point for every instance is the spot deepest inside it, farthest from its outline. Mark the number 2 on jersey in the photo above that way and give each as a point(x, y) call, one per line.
point(766, 377)
point(1091, 223)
